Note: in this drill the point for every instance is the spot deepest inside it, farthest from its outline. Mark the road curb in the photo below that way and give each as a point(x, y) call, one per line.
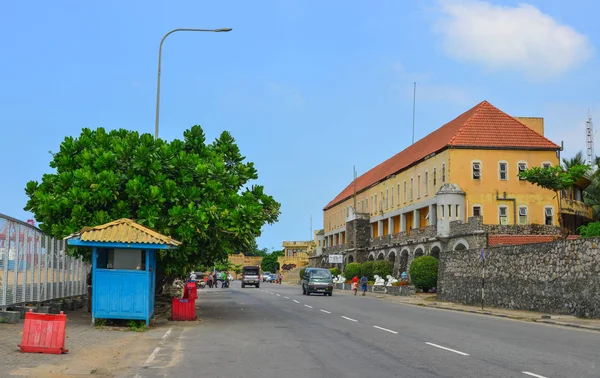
point(506, 316)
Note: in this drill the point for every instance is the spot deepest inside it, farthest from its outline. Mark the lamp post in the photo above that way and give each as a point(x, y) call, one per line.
point(159, 64)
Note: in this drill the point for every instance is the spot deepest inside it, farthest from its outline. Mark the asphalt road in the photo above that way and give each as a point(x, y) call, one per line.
point(277, 332)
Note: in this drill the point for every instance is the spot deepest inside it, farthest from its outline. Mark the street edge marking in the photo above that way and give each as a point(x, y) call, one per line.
point(385, 329)
point(287, 297)
point(448, 349)
point(279, 295)
point(167, 333)
point(295, 301)
point(347, 318)
point(327, 312)
point(308, 306)
point(151, 357)
point(533, 375)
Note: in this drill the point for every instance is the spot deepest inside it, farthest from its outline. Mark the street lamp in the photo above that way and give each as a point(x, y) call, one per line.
point(159, 62)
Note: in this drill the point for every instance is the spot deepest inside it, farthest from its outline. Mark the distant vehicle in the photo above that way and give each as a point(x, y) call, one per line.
point(317, 280)
point(251, 276)
point(270, 278)
point(265, 275)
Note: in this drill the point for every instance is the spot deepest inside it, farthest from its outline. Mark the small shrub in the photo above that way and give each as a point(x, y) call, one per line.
point(351, 270)
point(302, 272)
point(335, 272)
point(590, 230)
point(137, 325)
point(423, 272)
point(383, 268)
point(366, 269)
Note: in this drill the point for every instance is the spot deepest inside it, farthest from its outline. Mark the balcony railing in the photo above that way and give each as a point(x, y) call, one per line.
point(577, 208)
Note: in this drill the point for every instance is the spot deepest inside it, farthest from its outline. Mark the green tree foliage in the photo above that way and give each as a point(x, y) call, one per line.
point(351, 270)
point(253, 250)
point(269, 262)
point(335, 272)
point(383, 268)
point(424, 272)
point(367, 269)
point(301, 273)
point(590, 230)
point(198, 193)
point(556, 178)
point(237, 269)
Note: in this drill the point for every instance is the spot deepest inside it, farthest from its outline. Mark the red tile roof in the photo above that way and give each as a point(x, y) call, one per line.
point(481, 126)
point(496, 240)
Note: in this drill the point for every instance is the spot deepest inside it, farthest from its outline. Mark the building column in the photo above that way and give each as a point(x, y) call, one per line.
point(416, 219)
point(391, 226)
point(403, 222)
point(432, 215)
point(380, 228)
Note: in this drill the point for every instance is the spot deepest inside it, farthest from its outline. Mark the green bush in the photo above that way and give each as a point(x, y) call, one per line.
point(383, 268)
point(351, 270)
point(366, 269)
point(423, 272)
point(302, 272)
point(590, 230)
point(335, 272)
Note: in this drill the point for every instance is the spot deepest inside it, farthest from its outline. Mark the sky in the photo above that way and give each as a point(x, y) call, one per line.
point(308, 89)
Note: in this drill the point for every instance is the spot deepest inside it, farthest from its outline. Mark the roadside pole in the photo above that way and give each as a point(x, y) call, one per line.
point(482, 276)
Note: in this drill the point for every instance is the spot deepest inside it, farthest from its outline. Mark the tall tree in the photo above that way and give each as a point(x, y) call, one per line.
point(198, 193)
point(577, 159)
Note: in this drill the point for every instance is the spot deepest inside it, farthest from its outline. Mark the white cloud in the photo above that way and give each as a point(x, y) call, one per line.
point(521, 39)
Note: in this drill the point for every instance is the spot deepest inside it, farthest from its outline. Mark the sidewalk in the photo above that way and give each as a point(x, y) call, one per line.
point(101, 351)
point(430, 300)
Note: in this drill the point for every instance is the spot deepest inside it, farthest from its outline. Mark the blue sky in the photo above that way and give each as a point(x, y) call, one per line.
point(307, 88)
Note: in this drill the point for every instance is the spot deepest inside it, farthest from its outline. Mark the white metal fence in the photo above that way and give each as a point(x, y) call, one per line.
point(35, 267)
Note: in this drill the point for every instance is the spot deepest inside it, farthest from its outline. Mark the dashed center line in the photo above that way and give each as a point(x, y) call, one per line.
point(533, 375)
point(296, 301)
point(152, 356)
point(327, 312)
point(286, 297)
point(385, 329)
point(448, 349)
point(279, 295)
point(308, 306)
point(347, 318)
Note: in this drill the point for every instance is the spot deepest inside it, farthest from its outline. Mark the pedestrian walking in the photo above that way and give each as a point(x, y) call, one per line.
point(280, 278)
point(210, 281)
point(193, 277)
point(355, 284)
point(363, 284)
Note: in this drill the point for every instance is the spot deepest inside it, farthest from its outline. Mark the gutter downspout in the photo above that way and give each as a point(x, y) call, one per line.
point(514, 201)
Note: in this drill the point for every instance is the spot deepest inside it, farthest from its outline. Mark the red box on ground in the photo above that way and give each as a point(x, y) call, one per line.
point(183, 309)
point(44, 333)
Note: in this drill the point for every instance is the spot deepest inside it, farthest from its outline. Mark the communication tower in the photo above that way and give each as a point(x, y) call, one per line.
point(589, 130)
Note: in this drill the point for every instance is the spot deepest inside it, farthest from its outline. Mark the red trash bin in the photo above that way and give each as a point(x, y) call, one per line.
point(183, 309)
point(190, 291)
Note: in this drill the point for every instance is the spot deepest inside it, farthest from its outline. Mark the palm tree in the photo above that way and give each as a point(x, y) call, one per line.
point(575, 160)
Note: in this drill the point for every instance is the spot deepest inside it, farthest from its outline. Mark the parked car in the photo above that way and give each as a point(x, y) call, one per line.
point(265, 275)
point(251, 276)
point(317, 280)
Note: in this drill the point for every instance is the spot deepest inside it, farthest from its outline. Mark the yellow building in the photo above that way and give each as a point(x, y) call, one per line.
point(480, 153)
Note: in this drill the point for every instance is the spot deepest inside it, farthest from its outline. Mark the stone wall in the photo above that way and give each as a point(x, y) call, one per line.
point(561, 277)
point(529, 229)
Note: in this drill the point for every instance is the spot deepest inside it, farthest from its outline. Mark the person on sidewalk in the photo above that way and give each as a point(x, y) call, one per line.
point(193, 277)
point(280, 278)
point(224, 277)
point(363, 284)
point(355, 284)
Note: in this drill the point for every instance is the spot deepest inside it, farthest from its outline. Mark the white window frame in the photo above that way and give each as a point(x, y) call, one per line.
point(398, 194)
point(473, 209)
point(551, 208)
point(418, 186)
point(411, 188)
point(526, 215)
point(434, 178)
point(387, 196)
point(426, 182)
point(392, 198)
point(476, 170)
point(500, 216)
point(505, 170)
point(519, 168)
point(546, 163)
point(404, 191)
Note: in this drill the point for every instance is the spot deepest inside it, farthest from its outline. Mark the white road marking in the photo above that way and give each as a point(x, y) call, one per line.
point(167, 333)
point(327, 312)
point(152, 356)
point(296, 301)
point(385, 329)
point(287, 297)
point(448, 349)
point(347, 318)
point(279, 295)
point(533, 375)
point(308, 306)
point(271, 293)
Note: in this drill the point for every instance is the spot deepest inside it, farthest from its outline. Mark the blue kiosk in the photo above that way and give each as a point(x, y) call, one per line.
point(123, 268)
